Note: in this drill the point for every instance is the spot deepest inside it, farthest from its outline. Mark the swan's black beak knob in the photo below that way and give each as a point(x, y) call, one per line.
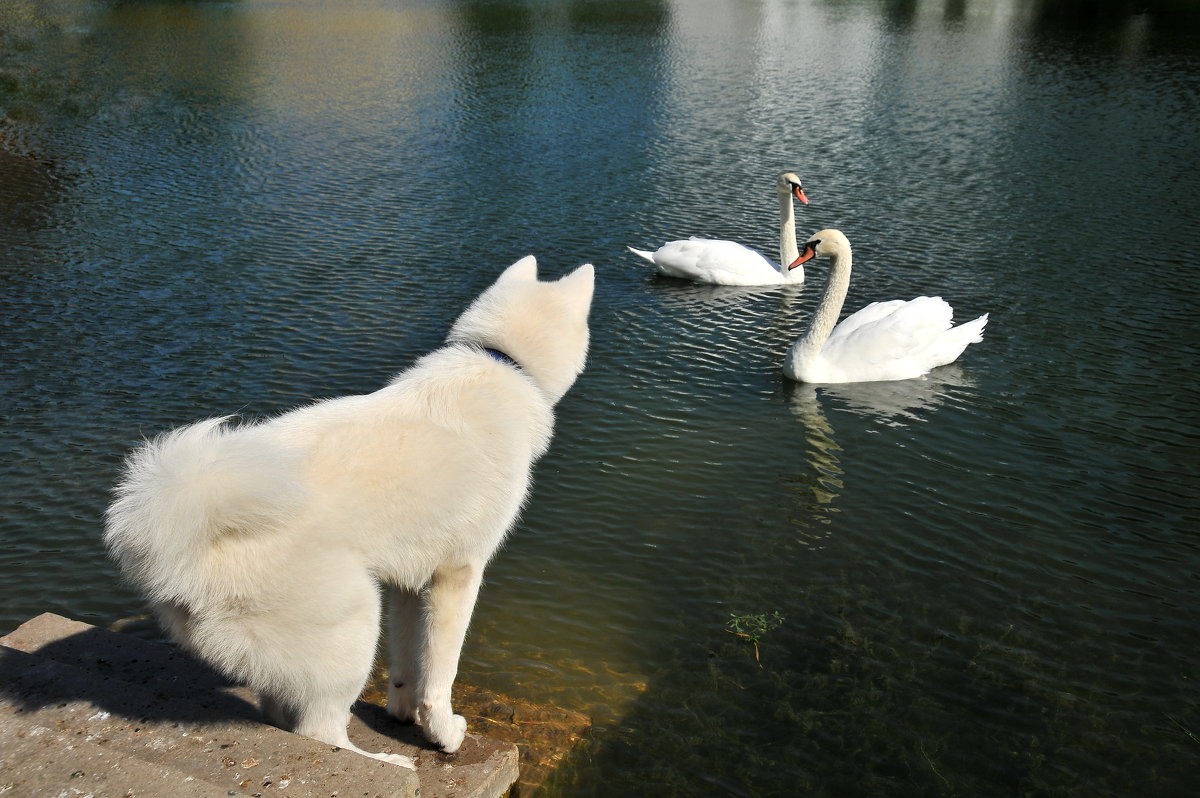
point(810, 249)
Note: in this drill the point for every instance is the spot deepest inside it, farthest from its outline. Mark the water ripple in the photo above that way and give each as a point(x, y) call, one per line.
point(987, 575)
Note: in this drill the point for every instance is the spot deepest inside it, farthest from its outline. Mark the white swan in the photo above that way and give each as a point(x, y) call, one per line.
point(708, 260)
point(894, 340)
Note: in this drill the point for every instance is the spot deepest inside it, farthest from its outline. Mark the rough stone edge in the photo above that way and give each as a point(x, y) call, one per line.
point(482, 768)
point(200, 742)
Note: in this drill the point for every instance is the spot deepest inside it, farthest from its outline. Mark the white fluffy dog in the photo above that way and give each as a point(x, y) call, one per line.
point(263, 547)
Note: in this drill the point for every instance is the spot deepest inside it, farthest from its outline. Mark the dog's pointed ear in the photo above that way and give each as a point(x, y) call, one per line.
point(580, 284)
point(524, 269)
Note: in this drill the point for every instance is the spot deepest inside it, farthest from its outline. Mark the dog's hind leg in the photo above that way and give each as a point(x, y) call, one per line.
point(173, 619)
point(276, 712)
point(406, 641)
point(320, 669)
point(452, 593)
point(326, 721)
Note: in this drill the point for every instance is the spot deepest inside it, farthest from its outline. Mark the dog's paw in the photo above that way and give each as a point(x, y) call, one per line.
point(395, 759)
point(445, 730)
point(392, 759)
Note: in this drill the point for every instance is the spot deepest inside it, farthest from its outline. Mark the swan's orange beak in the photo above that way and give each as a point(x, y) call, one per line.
point(807, 255)
point(798, 193)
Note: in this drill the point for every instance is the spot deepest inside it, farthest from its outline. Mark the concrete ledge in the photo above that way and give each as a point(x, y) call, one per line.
point(45, 762)
point(134, 699)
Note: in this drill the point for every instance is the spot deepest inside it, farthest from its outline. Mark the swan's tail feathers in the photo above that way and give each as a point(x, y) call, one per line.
point(954, 341)
point(972, 331)
point(186, 490)
point(642, 253)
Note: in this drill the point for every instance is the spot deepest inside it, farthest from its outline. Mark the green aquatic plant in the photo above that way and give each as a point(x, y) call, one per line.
point(753, 627)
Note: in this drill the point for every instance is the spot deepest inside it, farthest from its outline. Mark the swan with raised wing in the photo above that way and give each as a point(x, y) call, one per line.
point(896, 340)
point(709, 260)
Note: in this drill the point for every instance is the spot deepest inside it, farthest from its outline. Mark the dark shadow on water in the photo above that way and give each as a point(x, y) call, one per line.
point(846, 704)
point(29, 191)
point(1102, 14)
point(881, 681)
point(689, 296)
point(506, 16)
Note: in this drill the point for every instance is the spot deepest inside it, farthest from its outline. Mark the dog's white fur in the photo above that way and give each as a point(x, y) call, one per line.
point(263, 548)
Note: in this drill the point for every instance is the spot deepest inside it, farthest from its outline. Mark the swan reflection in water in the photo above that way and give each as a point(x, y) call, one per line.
point(893, 404)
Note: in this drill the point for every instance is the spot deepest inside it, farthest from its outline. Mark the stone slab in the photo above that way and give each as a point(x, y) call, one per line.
point(482, 768)
point(234, 755)
point(42, 762)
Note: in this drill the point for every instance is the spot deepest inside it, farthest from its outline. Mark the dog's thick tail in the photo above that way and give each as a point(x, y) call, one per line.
point(186, 490)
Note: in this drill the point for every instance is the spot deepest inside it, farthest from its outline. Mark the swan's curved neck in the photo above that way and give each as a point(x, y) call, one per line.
point(830, 307)
point(788, 249)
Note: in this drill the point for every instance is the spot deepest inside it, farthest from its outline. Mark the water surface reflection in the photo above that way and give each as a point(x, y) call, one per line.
point(988, 577)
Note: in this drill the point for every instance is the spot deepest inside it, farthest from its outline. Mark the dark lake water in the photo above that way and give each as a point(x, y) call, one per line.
point(988, 579)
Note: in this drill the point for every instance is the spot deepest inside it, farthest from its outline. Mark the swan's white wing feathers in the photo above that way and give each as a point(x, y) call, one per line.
point(866, 316)
point(710, 260)
point(899, 339)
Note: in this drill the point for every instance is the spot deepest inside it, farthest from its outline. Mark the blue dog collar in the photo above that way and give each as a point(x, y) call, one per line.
point(496, 354)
